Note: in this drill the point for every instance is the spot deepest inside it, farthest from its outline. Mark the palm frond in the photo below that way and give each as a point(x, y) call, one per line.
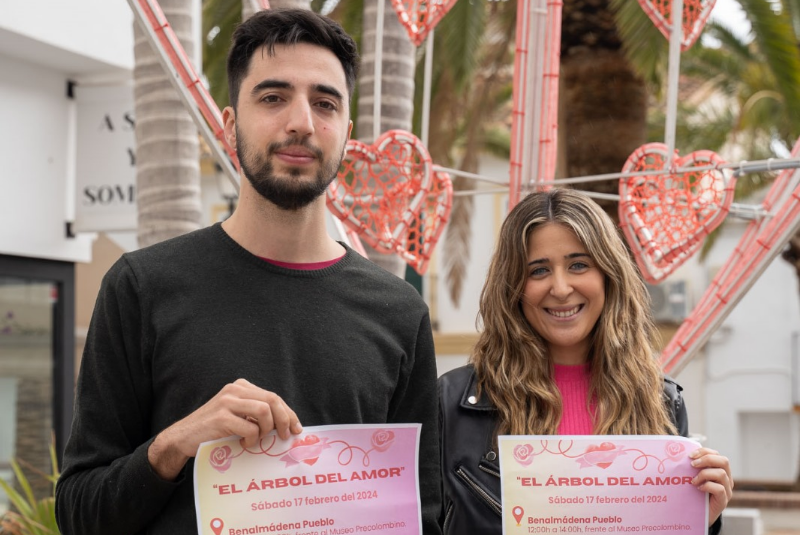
point(456, 243)
point(734, 44)
point(792, 8)
point(463, 37)
point(350, 14)
point(714, 65)
point(497, 141)
point(645, 47)
point(220, 18)
point(776, 38)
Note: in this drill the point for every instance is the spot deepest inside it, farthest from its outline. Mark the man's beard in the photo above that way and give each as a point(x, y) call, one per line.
point(289, 192)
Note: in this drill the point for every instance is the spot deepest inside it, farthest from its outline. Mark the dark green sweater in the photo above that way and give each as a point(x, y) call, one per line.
point(175, 322)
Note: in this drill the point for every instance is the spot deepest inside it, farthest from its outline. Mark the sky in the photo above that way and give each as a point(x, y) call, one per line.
point(729, 13)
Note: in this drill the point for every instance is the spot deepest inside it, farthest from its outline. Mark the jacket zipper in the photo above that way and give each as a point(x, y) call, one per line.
point(491, 502)
point(489, 470)
point(447, 517)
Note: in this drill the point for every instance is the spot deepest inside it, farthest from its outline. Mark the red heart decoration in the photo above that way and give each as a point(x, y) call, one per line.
point(666, 216)
point(601, 456)
point(419, 17)
point(605, 446)
point(695, 15)
point(381, 188)
point(424, 232)
point(757, 248)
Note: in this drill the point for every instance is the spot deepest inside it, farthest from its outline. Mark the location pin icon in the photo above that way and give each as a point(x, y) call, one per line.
point(518, 513)
point(216, 526)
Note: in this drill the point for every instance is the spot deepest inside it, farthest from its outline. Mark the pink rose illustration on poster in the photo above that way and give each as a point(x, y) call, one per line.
point(382, 439)
point(220, 459)
point(600, 455)
point(675, 450)
point(523, 454)
point(306, 450)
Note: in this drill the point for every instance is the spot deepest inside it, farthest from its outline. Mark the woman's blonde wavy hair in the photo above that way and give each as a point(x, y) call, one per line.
point(511, 361)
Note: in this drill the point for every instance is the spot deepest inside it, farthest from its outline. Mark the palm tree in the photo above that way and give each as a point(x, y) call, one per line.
point(603, 100)
point(167, 147)
point(470, 110)
point(397, 91)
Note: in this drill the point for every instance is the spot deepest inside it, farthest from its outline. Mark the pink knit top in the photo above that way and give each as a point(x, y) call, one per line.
point(573, 383)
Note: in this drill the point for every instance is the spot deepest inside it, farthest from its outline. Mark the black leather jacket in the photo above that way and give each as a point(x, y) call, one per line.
point(470, 467)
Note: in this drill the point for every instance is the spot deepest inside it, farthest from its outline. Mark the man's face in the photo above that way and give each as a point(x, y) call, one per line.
point(292, 123)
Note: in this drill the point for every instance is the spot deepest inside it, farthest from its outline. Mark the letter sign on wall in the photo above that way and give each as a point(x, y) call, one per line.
point(105, 199)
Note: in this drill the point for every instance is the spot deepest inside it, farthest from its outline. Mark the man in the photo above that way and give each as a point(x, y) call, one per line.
point(260, 323)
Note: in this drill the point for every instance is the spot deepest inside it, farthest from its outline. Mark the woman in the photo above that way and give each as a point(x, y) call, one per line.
point(566, 349)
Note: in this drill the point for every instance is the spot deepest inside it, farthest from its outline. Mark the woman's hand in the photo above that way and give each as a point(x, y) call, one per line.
point(714, 478)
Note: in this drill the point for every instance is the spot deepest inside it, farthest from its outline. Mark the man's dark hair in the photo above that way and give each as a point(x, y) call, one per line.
point(272, 27)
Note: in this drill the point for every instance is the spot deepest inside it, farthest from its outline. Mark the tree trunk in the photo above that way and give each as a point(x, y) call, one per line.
point(603, 102)
point(249, 7)
point(167, 146)
point(297, 4)
point(397, 92)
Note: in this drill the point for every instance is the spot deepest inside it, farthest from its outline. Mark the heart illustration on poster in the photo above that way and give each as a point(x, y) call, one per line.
point(666, 216)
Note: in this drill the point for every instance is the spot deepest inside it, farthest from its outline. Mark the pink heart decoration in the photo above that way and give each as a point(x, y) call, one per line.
point(424, 232)
point(381, 188)
point(419, 17)
point(666, 216)
point(695, 15)
point(759, 245)
point(601, 456)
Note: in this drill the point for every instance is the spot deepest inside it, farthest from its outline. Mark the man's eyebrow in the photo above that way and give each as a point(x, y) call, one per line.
point(270, 84)
point(328, 90)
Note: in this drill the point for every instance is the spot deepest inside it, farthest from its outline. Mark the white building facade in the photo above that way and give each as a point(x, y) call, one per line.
point(46, 50)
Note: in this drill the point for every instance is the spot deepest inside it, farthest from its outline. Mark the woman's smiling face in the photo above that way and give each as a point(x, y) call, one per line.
point(564, 293)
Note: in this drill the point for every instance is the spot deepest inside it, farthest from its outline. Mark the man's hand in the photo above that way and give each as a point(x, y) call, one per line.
point(714, 478)
point(240, 408)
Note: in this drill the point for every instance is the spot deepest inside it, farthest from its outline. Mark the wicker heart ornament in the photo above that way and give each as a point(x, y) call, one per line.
point(665, 216)
point(381, 188)
point(695, 15)
point(419, 17)
point(426, 228)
